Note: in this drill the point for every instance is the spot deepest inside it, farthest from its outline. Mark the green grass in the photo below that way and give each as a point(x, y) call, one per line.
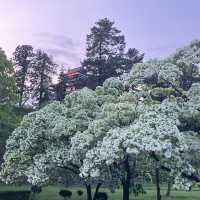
point(51, 193)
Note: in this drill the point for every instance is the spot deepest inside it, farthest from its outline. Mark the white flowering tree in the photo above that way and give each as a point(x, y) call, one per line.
point(60, 134)
point(118, 110)
point(159, 132)
point(97, 134)
point(153, 133)
point(42, 143)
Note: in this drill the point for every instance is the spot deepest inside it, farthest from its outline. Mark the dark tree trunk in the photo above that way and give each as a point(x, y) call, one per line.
point(41, 87)
point(126, 190)
point(168, 188)
point(21, 93)
point(20, 97)
point(126, 180)
point(41, 91)
point(89, 192)
point(32, 195)
point(157, 172)
point(97, 190)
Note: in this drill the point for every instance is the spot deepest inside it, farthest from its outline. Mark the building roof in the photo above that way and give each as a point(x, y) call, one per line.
point(73, 72)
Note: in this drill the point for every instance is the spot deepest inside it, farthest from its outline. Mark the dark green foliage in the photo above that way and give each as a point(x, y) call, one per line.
point(43, 69)
point(10, 118)
point(66, 194)
point(101, 196)
point(22, 59)
point(7, 82)
point(36, 189)
point(15, 195)
point(112, 190)
point(159, 94)
point(138, 189)
point(80, 192)
point(60, 87)
point(33, 74)
point(105, 54)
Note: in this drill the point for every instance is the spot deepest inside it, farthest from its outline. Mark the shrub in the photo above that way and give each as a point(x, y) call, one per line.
point(159, 94)
point(65, 194)
point(112, 190)
point(101, 196)
point(36, 189)
point(80, 192)
point(15, 195)
point(138, 189)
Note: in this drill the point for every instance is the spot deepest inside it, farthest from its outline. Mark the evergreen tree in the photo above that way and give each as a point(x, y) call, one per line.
point(131, 57)
point(105, 54)
point(43, 69)
point(60, 87)
point(10, 118)
point(7, 81)
point(22, 58)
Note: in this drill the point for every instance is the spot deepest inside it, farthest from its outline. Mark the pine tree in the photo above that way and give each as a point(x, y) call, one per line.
point(132, 57)
point(105, 54)
point(22, 59)
point(43, 68)
point(60, 87)
point(7, 81)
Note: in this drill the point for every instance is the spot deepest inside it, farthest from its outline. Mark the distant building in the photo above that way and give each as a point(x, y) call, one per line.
point(71, 79)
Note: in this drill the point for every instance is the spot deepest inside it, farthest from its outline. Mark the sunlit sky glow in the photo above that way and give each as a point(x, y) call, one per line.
point(156, 27)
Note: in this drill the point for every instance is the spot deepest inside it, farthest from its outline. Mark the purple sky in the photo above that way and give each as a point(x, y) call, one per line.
point(156, 27)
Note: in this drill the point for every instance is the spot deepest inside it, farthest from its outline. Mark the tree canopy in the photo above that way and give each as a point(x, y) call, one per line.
point(22, 57)
point(150, 114)
point(7, 81)
point(105, 54)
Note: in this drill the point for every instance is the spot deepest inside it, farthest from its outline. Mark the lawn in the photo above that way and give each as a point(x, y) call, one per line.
point(51, 193)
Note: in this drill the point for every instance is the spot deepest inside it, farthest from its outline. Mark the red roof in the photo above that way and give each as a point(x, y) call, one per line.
point(73, 72)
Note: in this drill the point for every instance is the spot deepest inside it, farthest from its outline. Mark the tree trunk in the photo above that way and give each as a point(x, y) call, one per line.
point(21, 93)
point(126, 190)
point(32, 196)
point(41, 87)
point(126, 180)
point(168, 188)
point(157, 171)
point(20, 98)
point(97, 190)
point(41, 91)
point(89, 192)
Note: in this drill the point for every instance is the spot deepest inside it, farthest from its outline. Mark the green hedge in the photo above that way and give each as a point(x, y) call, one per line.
point(15, 195)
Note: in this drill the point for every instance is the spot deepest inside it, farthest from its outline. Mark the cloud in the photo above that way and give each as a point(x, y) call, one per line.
point(65, 56)
point(62, 52)
point(64, 49)
point(60, 41)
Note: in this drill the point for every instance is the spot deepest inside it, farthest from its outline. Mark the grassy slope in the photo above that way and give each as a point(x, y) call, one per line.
point(51, 193)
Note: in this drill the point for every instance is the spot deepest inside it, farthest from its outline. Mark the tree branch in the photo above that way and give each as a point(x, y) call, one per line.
point(177, 90)
point(70, 169)
point(192, 177)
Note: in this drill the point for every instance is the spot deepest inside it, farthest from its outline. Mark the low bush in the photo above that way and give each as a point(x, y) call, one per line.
point(36, 189)
point(66, 194)
point(80, 192)
point(138, 189)
point(101, 196)
point(15, 195)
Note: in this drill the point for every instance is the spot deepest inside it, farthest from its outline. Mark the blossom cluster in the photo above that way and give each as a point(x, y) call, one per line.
point(93, 130)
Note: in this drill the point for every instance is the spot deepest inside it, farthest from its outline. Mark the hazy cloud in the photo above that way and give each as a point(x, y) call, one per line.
point(64, 55)
point(64, 49)
point(60, 41)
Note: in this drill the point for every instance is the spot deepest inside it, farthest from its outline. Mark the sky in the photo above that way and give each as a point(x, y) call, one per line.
point(59, 27)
